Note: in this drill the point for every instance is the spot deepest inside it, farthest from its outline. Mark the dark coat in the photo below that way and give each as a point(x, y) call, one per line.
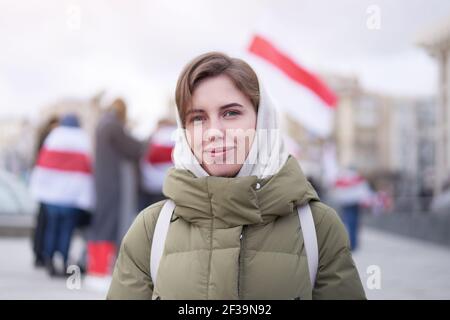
point(113, 148)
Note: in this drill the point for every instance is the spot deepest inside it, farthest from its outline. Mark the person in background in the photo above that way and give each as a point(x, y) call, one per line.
point(43, 133)
point(62, 181)
point(39, 229)
point(316, 185)
point(350, 191)
point(116, 157)
point(156, 163)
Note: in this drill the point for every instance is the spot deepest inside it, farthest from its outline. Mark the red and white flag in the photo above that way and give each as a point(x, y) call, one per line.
point(351, 188)
point(158, 159)
point(63, 172)
point(296, 90)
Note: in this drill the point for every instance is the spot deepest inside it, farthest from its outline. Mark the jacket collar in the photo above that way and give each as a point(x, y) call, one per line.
point(230, 202)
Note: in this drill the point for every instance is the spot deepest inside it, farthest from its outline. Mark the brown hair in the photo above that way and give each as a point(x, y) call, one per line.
point(210, 65)
point(119, 108)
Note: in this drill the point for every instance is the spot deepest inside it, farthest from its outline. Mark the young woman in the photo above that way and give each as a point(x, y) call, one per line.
point(235, 232)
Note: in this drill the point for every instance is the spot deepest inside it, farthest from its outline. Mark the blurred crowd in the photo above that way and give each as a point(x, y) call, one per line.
point(96, 187)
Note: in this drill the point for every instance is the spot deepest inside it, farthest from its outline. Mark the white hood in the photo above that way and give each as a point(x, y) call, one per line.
point(266, 156)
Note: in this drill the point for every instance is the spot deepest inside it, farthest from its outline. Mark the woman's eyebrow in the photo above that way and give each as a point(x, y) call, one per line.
point(233, 104)
point(195, 111)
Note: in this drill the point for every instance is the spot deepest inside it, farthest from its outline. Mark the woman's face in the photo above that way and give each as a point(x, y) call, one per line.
point(220, 126)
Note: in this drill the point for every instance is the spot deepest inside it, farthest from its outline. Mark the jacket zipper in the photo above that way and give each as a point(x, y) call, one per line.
point(240, 262)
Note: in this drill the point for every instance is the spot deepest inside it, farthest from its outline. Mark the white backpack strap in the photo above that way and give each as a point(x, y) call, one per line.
point(159, 237)
point(310, 240)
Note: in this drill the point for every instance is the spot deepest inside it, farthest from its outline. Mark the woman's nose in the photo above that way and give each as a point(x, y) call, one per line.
point(213, 134)
point(214, 130)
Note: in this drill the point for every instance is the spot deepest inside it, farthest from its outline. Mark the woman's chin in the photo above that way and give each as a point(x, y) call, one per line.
point(223, 170)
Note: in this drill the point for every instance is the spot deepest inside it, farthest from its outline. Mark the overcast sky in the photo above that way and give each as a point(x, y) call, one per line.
point(51, 49)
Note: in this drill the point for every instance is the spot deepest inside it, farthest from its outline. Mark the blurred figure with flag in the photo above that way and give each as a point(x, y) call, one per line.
point(156, 162)
point(39, 229)
point(351, 191)
point(62, 181)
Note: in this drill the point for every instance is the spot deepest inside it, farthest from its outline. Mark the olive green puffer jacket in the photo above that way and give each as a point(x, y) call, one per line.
point(229, 240)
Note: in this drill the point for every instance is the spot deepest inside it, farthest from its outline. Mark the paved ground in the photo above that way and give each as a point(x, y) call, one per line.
point(408, 269)
point(19, 279)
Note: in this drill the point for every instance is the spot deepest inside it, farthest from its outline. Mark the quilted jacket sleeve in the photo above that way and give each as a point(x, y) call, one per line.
point(337, 277)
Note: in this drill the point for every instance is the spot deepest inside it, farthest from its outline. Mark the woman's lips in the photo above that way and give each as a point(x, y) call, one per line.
point(217, 152)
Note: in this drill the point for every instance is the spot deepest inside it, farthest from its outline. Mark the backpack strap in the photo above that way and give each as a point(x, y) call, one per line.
point(159, 237)
point(310, 240)
point(306, 222)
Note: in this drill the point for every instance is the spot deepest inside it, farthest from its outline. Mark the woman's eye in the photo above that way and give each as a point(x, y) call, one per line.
point(196, 119)
point(231, 113)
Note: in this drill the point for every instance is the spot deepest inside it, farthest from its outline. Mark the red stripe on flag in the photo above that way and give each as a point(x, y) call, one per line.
point(264, 49)
point(159, 154)
point(348, 182)
point(64, 160)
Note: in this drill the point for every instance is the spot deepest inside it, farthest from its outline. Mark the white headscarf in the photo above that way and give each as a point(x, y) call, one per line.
point(267, 154)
